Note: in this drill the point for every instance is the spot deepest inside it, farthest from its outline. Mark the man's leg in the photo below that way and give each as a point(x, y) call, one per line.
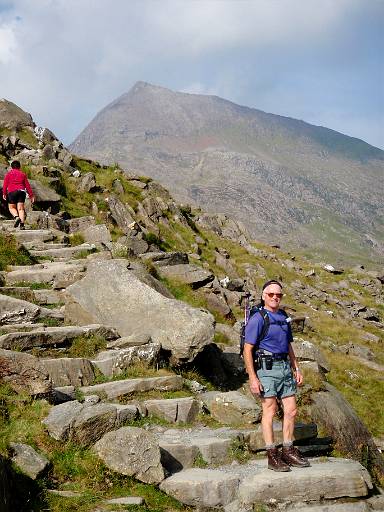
point(290, 411)
point(290, 454)
point(275, 463)
point(269, 406)
point(21, 212)
point(13, 209)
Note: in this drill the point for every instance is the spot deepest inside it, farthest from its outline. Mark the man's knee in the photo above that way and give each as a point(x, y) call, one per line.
point(269, 407)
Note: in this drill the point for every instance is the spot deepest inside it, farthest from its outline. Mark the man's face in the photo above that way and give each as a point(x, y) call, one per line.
point(272, 297)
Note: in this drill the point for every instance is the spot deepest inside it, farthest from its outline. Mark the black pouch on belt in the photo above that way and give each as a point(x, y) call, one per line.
point(268, 362)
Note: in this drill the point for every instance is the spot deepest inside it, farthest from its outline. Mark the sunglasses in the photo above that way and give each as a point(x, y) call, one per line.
point(277, 295)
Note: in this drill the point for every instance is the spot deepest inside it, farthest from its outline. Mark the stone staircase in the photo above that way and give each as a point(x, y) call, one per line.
point(204, 467)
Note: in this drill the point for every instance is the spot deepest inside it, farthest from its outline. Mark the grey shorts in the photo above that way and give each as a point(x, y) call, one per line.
point(278, 381)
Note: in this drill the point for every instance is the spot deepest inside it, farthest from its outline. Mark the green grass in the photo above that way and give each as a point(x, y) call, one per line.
point(11, 253)
point(76, 239)
point(37, 286)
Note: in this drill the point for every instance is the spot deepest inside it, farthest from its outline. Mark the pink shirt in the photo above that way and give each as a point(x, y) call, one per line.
point(16, 180)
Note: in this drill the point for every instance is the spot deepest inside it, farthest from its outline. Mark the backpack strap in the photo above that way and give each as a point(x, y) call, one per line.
point(264, 331)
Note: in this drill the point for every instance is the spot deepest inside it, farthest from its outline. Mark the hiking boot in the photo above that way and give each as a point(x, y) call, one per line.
point(275, 462)
point(293, 457)
point(17, 222)
point(22, 225)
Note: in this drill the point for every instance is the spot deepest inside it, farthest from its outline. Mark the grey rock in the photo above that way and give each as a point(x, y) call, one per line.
point(92, 422)
point(186, 273)
point(13, 117)
point(132, 451)
point(339, 420)
point(115, 362)
point(121, 213)
point(79, 224)
point(98, 233)
point(181, 448)
point(202, 487)
point(232, 407)
point(176, 410)
point(162, 259)
point(27, 459)
point(24, 373)
point(60, 274)
point(125, 387)
point(218, 304)
point(307, 351)
point(53, 336)
point(14, 310)
point(67, 371)
point(126, 500)
point(129, 245)
point(130, 341)
point(179, 328)
point(88, 183)
point(323, 480)
point(61, 418)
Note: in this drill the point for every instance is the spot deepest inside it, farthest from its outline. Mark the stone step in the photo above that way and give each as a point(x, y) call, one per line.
point(59, 274)
point(116, 389)
point(34, 235)
point(253, 483)
point(63, 253)
point(13, 310)
point(53, 336)
point(40, 246)
point(42, 296)
point(181, 448)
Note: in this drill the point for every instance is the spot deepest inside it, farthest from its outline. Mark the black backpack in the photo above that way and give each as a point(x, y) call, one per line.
point(249, 312)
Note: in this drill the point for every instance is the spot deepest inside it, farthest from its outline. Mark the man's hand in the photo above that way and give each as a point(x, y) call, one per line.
point(255, 386)
point(298, 377)
point(32, 199)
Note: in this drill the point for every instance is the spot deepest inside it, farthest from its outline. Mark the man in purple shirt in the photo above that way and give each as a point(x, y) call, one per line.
point(275, 377)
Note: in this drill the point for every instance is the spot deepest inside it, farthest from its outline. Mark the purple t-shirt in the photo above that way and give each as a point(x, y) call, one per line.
point(279, 334)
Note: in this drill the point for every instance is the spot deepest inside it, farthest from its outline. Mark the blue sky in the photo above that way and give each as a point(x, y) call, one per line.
point(320, 61)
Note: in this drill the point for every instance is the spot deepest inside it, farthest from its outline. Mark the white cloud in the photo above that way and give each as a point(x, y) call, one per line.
point(63, 60)
point(8, 44)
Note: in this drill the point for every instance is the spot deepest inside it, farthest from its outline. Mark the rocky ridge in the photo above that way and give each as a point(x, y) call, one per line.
point(73, 341)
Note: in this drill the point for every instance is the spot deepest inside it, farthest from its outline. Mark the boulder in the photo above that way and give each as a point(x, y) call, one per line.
point(232, 407)
point(335, 478)
point(193, 275)
point(175, 410)
point(98, 233)
point(53, 336)
point(115, 362)
point(14, 310)
point(92, 422)
point(202, 488)
point(24, 373)
point(161, 259)
point(88, 183)
point(68, 371)
point(307, 351)
point(132, 451)
point(331, 411)
point(13, 117)
point(121, 213)
point(27, 459)
point(179, 328)
point(115, 389)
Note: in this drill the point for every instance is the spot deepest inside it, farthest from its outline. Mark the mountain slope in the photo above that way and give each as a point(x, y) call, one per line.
point(289, 181)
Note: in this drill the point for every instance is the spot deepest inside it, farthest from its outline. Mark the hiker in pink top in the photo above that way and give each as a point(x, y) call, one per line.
point(15, 186)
